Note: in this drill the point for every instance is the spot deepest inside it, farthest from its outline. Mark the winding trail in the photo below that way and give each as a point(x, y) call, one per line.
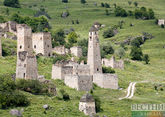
point(130, 91)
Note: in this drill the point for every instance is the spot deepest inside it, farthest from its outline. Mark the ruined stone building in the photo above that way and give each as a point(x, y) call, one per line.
point(94, 61)
point(76, 51)
point(60, 50)
point(42, 43)
point(9, 26)
point(161, 22)
point(94, 57)
point(87, 104)
point(97, 25)
point(26, 60)
point(0, 47)
point(113, 63)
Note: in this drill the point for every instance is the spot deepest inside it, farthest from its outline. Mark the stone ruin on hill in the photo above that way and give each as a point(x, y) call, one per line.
point(113, 63)
point(161, 22)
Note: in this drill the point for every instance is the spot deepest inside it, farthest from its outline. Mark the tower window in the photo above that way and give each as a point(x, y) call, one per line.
point(20, 47)
point(90, 38)
point(24, 75)
point(48, 46)
point(97, 69)
point(34, 46)
point(49, 54)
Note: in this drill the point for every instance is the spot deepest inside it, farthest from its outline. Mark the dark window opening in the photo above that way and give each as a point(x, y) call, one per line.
point(24, 75)
point(48, 46)
point(20, 47)
point(97, 69)
point(34, 46)
point(49, 54)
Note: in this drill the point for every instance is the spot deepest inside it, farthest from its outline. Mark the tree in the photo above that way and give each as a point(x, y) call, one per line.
point(107, 5)
point(120, 52)
point(65, 1)
point(146, 58)
point(106, 12)
point(136, 53)
point(136, 4)
point(58, 38)
point(2, 20)
point(102, 4)
point(129, 2)
point(83, 1)
point(108, 33)
point(12, 3)
point(72, 38)
point(108, 70)
point(83, 43)
point(121, 12)
point(106, 49)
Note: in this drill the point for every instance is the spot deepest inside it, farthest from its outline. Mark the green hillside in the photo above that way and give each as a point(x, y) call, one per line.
point(134, 70)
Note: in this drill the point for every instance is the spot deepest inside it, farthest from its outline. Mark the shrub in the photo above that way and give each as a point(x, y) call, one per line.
point(107, 5)
point(108, 70)
point(83, 1)
point(136, 53)
point(106, 12)
point(84, 45)
point(129, 2)
point(121, 12)
point(146, 58)
point(120, 52)
point(9, 96)
point(108, 33)
point(65, 1)
point(136, 4)
point(12, 3)
point(65, 95)
point(59, 58)
point(162, 26)
point(102, 5)
point(41, 12)
point(106, 49)
point(58, 38)
point(97, 103)
point(72, 38)
point(2, 20)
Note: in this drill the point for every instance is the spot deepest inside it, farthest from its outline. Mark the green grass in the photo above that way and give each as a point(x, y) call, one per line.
point(134, 70)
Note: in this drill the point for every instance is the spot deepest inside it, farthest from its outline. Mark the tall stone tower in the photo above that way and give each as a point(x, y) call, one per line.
point(42, 43)
point(94, 57)
point(26, 60)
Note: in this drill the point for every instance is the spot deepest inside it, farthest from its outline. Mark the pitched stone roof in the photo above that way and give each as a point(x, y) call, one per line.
point(87, 98)
point(93, 29)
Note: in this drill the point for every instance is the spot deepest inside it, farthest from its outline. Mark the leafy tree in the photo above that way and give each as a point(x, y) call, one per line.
point(72, 38)
point(2, 20)
point(102, 4)
point(162, 26)
point(136, 53)
point(108, 33)
point(121, 12)
point(120, 52)
point(146, 58)
point(12, 3)
point(115, 5)
point(107, 5)
point(136, 4)
point(65, 1)
point(83, 1)
point(84, 45)
point(151, 14)
point(106, 49)
point(106, 12)
point(129, 2)
point(108, 70)
point(58, 38)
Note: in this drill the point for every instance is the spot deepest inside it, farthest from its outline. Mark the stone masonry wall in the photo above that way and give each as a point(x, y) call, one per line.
point(106, 80)
point(76, 51)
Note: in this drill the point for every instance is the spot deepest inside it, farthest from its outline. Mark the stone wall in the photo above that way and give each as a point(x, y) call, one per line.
point(161, 22)
point(81, 69)
point(42, 43)
point(9, 26)
point(106, 80)
point(0, 47)
point(60, 71)
point(113, 63)
point(76, 51)
point(80, 83)
point(87, 107)
point(60, 50)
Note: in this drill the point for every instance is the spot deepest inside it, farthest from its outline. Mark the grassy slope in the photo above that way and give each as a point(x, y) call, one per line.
point(134, 71)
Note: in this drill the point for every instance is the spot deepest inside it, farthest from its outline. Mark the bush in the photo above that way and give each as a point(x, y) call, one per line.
point(136, 4)
point(32, 86)
point(9, 96)
point(108, 33)
point(72, 38)
point(146, 58)
point(136, 53)
point(97, 103)
point(12, 3)
point(120, 52)
point(102, 5)
point(59, 58)
point(42, 12)
point(83, 1)
point(107, 5)
point(108, 70)
point(106, 49)
point(38, 24)
point(65, 95)
point(84, 45)
point(58, 38)
point(162, 26)
point(65, 1)
point(121, 12)
point(2, 20)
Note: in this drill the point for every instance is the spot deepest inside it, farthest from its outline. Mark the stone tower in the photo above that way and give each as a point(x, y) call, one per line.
point(94, 57)
point(0, 47)
point(26, 60)
point(42, 43)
